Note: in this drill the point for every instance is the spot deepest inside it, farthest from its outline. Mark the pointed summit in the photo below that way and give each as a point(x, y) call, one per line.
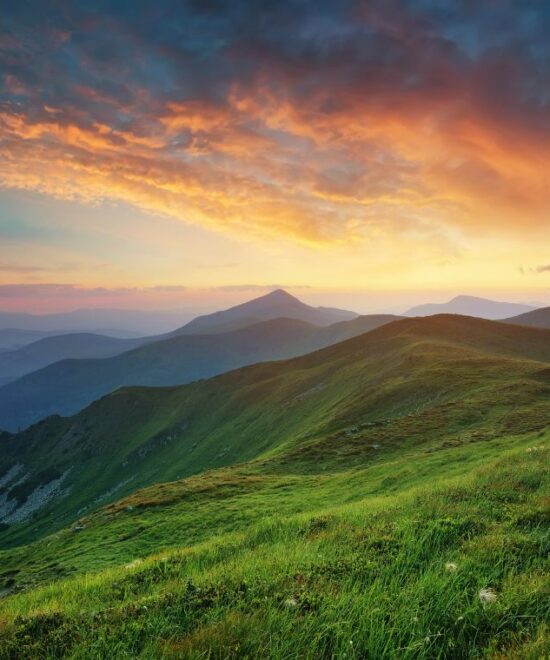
point(278, 295)
point(273, 305)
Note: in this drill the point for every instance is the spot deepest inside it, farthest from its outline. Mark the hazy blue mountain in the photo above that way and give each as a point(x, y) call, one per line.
point(114, 322)
point(43, 352)
point(13, 338)
point(274, 305)
point(471, 306)
point(67, 386)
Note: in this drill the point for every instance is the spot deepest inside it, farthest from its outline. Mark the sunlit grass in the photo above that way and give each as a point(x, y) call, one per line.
point(363, 579)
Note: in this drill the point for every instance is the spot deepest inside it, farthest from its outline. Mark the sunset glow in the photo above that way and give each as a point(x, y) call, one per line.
point(396, 150)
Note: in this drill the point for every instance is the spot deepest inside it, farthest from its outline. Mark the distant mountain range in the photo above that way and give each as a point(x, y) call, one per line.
point(275, 305)
point(449, 378)
point(114, 322)
point(61, 374)
point(46, 351)
point(68, 385)
point(41, 353)
point(471, 306)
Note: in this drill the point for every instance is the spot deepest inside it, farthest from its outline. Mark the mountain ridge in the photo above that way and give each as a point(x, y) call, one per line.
point(288, 411)
point(539, 318)
point(276, 304)
point(471, 306)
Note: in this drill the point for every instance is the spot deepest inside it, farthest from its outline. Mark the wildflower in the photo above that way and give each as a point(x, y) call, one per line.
point(451, 567)
point(487, 596)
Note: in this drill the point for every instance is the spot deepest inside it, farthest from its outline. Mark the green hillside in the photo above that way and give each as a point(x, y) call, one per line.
point(352, 501)
point(400, 384)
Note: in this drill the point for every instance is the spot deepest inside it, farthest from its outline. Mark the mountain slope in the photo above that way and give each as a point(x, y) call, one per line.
point(393, 503)
point(41, 353)
point(401, 385)
point(538, 318)
point(14, 338)
point(67, 386)
point(471, 306)
point(277, 304)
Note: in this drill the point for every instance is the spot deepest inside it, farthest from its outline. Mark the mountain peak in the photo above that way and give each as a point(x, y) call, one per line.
point(280, 295)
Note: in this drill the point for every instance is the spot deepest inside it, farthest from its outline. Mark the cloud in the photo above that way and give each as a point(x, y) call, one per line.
point(318, 122)
point(22, 269)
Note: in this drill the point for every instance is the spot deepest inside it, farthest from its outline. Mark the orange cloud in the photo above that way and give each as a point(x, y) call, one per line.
point(264, 164)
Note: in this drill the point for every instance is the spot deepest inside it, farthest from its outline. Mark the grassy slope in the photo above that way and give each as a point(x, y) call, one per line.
point(137, 437)
point(308, 567)
point(339, 528)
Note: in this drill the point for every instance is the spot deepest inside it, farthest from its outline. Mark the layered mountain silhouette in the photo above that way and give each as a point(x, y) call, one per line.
point(398, 385)
point(43, 352)
point(274, 305)
point(277, 304)
point(471, 306)
point(13, 338)
point(67, 386)
point(113, 322)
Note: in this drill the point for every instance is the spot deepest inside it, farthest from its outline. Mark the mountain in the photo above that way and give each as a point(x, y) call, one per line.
point(67, 386)
point(277, 304)
point(471, 306)
point(14, 364)
point(537, 318)
point(467, 373)
point(402, 473)
point(13, 338)
point(113, 322)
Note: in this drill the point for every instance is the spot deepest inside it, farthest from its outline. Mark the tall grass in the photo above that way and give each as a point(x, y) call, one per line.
point(396, 577)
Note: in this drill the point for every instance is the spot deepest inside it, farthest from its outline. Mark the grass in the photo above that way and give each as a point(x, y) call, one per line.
point(370, 492)
point(363, 579)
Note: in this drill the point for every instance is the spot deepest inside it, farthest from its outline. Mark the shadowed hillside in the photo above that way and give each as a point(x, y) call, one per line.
point(538, 318)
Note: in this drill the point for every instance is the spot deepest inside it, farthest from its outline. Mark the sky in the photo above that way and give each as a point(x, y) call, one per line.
point(366, 154)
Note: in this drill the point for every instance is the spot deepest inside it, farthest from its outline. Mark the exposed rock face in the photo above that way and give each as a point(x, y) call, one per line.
point(13, 510)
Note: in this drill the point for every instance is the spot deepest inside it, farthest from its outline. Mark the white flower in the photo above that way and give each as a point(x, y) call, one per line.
point(451, 566)
point(487, 596)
